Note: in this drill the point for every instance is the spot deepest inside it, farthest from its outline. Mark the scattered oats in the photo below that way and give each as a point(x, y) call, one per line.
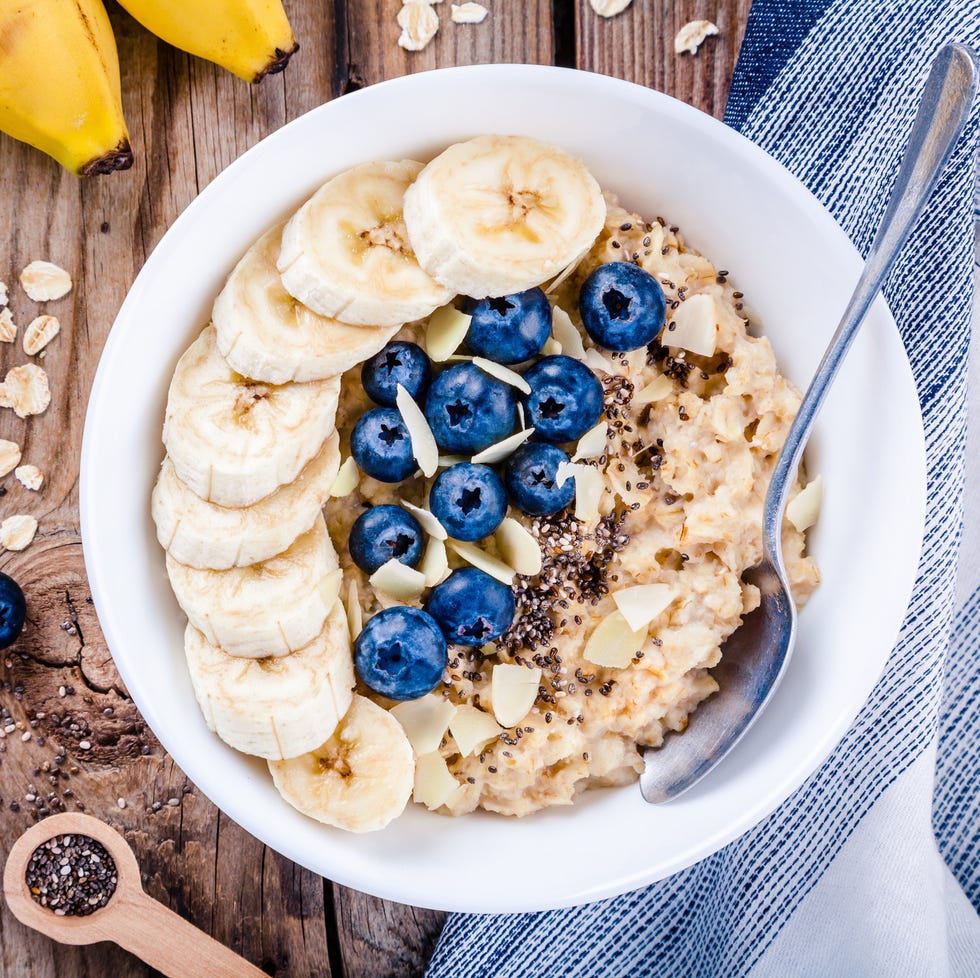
point(9, 456)
point(121, 802)
point(30, 476)
point(691, 36)
point(419, 24)
point(8, 328)
point(17, 532)
point(4, 297)
point(39, 333)
point(85, 744)
point(25, 389)
point(609, 8)
point(43, 281)
point(469, 13)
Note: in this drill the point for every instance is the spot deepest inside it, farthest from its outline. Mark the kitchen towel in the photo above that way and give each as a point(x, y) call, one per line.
point(871, 867)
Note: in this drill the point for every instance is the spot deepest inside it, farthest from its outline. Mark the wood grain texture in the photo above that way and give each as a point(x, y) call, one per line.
point(189, 120)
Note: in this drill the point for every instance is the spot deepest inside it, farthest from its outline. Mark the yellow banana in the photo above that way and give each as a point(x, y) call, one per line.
point(251, 38)
point(59, 83)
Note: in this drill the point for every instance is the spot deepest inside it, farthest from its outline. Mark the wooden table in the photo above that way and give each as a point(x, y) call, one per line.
point(188, 121)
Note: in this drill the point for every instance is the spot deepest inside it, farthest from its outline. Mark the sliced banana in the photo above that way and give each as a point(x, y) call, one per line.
point(201, 534)
point(499, 214)
point(276, 706)
point(265, 334)
point(345, 252)
point(234, 441)
point(360, 779)
point(271, 608)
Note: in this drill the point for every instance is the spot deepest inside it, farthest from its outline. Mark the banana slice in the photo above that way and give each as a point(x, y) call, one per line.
point(234, 441)
point(499, 214)
point(265, 334)
point(345, 252)
point(201, 534)
point(360, 779)
point(272, 608)
point(275, 707)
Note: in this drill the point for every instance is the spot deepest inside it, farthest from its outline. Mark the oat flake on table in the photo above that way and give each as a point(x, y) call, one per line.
point(691, 36)
point(419, 24)
point(43, 281)
point(39, 333)
point(469, 13)
point(30, 477)
point(25, 389)
point(8, 328)
point(4, 297)
point(17, 532)
point(609, 8)
point(9, 456)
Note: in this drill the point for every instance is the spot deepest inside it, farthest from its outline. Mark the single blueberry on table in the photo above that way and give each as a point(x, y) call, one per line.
point(13, 610)
point(382, 533)
point(401, 653)
point(471, 607)
point(530, 475)
point(622, 306)
point(565, 399)
point(511, 328)
point(398, 363)
point(468, 500)
point(382, 446)
point(468, 410)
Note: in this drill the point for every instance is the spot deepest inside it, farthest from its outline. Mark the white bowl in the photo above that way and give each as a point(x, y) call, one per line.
point(796, 267)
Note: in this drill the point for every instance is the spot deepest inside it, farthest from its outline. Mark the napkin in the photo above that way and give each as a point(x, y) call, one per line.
point(870, 868)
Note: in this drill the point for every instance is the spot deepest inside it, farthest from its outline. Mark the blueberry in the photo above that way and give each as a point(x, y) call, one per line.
point(383, 532)
point(468, 410)
point(13, 610)
point(510, 329)
point(401, 653)
point(471, 607)
point(398, 363)
point(382, 446)
point(565, 399)
point(622, 306)
point(530, 478)
point(468, 500)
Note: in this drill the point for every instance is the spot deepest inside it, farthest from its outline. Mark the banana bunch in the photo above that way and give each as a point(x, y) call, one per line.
point(253, 451)
point(59, 69)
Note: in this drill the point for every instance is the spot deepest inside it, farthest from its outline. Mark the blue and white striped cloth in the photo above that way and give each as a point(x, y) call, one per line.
point(846, 878)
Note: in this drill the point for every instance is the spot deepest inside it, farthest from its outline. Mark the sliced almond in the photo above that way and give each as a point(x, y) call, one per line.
point(609, 8)
point(480, 559)
point(398, 580)
point(355, 616)
point(502, 373)
point(346, 479)
point(518, 547)
point(656, 390)
point(568, 270)
point(9, 456)
point(25, 389)
point(594, 359)
point(434, 564)
point(503, 449)
point(613, 643)
point(690, 37)
point(472, 729)
point(427, 521)
point(434, 785)
point(589, 486)
point(445, 461)
point(44, 281)
point(566, 333)
point(694, 326)
point(39, 333)
point(804, 508)
point(551, 347)
point(468, 13)
point(419, 24)
point(424, 446)
point(445, 332)
point(30, 477)
point(593, 443)
point(425, 721)
point(640, 604)
point(513, 690)
point(8, 328)
point(17, 532)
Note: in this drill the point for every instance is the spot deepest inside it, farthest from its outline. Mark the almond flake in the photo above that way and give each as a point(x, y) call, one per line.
point(656, 390)
point(419, 24)
point(609, 8)
point(25, 389)
point(434, 564)
point(482, 561)
point(518, 547)
point(398, 580)
point(445, 332)
point(44, 281)
point(469, 13)
point(434, 785)
point(551, 347)
point(424, 446)
point(690, 37)
point(17, 532)
point(425, 721)
point(694, 326)
point(30, 477)
point(593, 443)
point(9, 456)
point(355, 617)
point(640, 604)
point(589, 487)
point(427, 520)
point(804, 507)
point(346, 480)
point(594, 359)
point(8, 328)
point(472, 729)
point(513, 690)
point(503, 373)
point(613, 643)
point(503, 449)
point(39, 333)
point(566, 333)
point(445, 461)
point(563, 275)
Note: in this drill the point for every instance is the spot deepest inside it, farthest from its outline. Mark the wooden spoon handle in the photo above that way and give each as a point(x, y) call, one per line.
point(174, 946)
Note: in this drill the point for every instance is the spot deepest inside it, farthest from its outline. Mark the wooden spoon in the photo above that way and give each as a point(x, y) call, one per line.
point(131, 919)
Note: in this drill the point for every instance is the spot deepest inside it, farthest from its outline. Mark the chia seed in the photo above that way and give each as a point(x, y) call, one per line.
point(72, 875)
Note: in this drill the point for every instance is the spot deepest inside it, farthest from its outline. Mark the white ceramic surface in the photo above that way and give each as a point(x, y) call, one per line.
point(796, 268)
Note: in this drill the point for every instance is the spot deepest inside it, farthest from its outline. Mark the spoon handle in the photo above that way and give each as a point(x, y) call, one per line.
point(949, 92)
point(173, 945)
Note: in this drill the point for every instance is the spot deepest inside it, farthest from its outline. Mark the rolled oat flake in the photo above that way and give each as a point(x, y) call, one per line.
point(72, 875)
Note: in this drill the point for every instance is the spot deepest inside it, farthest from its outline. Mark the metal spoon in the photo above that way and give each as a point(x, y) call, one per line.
point(755, 656)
